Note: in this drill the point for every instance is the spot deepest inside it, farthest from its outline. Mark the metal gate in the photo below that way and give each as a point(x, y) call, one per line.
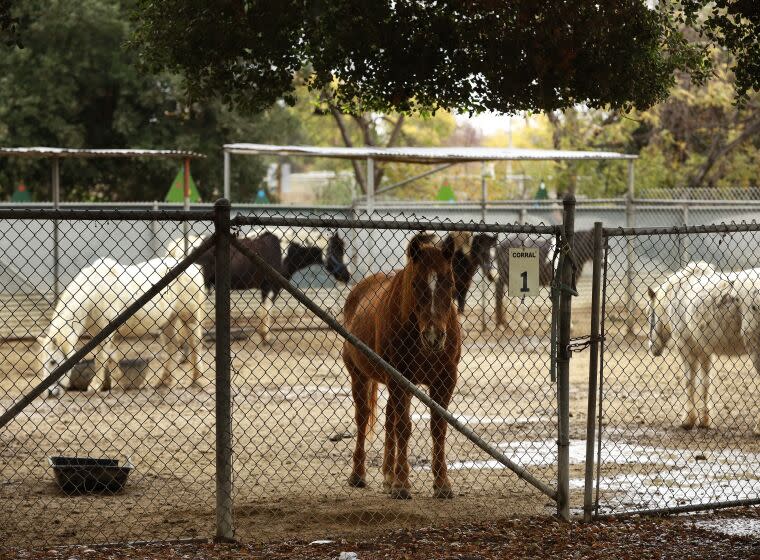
point(668, 304)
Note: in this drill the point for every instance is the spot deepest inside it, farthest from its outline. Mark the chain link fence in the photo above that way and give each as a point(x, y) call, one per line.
point(292, 428)
point(678, 384)
point(157, 427)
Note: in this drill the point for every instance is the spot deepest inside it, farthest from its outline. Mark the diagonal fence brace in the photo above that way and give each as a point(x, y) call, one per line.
point(120, 319)
point(281, 281)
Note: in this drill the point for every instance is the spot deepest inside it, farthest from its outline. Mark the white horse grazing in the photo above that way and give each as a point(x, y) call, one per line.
point(103, 290)
point(706, 313)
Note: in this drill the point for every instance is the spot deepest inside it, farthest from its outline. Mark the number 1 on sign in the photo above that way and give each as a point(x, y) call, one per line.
point(524, 276)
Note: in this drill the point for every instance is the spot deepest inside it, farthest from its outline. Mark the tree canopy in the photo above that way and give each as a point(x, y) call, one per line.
point(732, 24)
point(411, 55)
point(75, 85)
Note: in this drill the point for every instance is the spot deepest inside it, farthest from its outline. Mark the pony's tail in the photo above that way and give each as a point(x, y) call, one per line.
point(372, 404)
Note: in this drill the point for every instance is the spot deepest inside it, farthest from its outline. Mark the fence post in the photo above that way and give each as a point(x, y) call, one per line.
point(563, 361)
point(593, 370)
point(630, 221)
point(224, 529)
point(685, 256)
point(56, 187)
point(156, 244)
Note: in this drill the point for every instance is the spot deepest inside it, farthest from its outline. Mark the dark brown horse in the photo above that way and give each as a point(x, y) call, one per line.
point(467, 259)
point(244, 275)
point(408, 317)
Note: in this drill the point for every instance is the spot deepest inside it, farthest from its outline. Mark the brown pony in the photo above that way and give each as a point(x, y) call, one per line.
point(408, 317)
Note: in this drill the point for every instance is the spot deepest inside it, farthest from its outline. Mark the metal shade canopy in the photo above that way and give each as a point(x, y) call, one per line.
point(444, 156)
point(423, 155)
point(55, 155)
point(86, 153)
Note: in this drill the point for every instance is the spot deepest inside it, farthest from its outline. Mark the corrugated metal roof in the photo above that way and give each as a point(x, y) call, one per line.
point(423, 155)
point(44, 152)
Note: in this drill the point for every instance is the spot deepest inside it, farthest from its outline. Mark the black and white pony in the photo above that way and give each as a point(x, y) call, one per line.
point(244, 275)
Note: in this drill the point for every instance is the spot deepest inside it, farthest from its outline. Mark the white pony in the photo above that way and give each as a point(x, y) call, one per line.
point(103, 290)
point(706, 313)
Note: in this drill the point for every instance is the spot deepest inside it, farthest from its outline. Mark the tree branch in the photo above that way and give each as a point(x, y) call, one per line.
point(338, 117)
point(715, 155)
point(392, 140)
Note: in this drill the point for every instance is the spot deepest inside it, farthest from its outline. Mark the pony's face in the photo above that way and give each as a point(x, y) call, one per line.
point(659, 328)
point(483, 248)
point(334, 259)
point(53, 352)
point(432, 285)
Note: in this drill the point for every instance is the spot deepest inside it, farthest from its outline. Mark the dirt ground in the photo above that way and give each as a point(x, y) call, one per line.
point(293, 437)
point(729, 534)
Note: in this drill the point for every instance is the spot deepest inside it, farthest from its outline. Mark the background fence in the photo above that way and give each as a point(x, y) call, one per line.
point(26, 275)
point(646, 459)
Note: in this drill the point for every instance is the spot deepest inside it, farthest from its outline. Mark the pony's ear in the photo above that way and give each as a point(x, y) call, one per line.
point(651, 292)
point(293, 248)
point(414, 250)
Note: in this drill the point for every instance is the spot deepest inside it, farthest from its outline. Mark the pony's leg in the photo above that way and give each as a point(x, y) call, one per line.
point(704, 419)
point(389, 449)
point(403, 430)
point(193, 338)
point(360, 390)
point(755, 357)
point(461, 300)
point(691, 366)
point(499, 301)
point(264, 313)
point(169, 336)
point(106, 363)
point(440, 393)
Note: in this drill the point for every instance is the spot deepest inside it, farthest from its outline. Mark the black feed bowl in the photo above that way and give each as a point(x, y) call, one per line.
point(77, 475)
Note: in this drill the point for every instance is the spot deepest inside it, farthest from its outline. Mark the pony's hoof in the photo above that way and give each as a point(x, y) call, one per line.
point(356, 481)
point(689, 422)
point(443, 493)
point(401, 493)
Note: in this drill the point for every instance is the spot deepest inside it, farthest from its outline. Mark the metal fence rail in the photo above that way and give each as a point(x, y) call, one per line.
point(677, 382)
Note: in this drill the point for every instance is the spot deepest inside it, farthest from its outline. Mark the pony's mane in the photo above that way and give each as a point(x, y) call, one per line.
point(175, 248)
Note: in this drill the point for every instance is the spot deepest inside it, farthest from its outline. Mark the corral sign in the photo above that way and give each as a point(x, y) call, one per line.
point(523, 271)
